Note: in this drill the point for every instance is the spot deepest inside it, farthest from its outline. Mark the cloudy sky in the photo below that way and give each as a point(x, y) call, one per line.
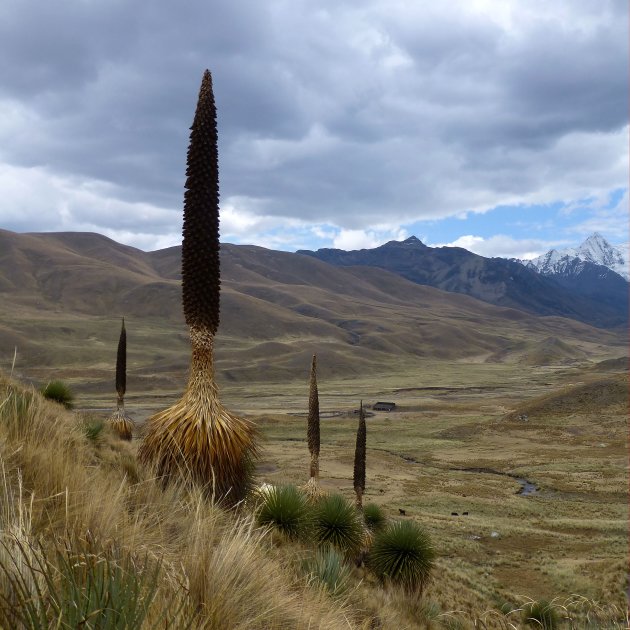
point(497, 125)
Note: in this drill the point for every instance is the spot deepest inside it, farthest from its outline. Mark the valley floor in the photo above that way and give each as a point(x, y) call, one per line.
point(456, 459)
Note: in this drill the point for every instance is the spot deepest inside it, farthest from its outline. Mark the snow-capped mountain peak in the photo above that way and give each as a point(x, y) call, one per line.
point(595, 249)
point(598, 250)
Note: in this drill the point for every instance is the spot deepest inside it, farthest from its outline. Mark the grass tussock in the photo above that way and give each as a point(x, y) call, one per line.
point(88, 540)
point(59, 392)
point(73, 588)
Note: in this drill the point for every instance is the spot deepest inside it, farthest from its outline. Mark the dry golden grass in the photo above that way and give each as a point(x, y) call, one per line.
point(59, 487)
point(592, 396)
point(313, 491)
point(121, 424)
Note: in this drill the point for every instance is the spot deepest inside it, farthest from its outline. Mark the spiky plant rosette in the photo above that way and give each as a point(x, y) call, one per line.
point(328, 569)
point(374, 517)
point(337, 522)
point(403, 555)
point(374, 521)
point(285, 509)
point(197, 437)
point(59, 392)
point(120, 422)
point(313, 491)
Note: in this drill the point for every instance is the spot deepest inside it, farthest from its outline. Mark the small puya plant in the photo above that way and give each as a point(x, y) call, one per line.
point(197, 439)
point(120, 422)
point(312, 488)
point(359, 459)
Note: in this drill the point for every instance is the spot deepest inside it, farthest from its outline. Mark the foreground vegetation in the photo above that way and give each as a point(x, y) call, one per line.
point(89, 538)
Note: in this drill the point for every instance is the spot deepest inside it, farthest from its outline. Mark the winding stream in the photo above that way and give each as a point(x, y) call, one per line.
point(528, 488)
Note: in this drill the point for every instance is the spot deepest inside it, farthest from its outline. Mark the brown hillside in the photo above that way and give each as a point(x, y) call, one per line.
point(552, 351)
point(62, 295)
point(612, 365)
point(592, 397)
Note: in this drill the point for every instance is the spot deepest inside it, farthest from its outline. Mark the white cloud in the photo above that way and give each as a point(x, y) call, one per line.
point(144, 241)
point(366, 239)
point(38, 201)
point(322, 232)
point(504, 246)
point(355, 239)
point(272, 153)
point(611, 220)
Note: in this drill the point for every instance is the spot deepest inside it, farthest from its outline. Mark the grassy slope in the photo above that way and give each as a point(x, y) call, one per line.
point(88, 496)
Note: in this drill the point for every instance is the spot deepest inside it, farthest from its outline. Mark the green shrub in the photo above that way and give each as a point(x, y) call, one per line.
point(328, 568)
point(286, 509)
point(541, 614)
point(337, 522)
point(59, 392)
point(79, 589)
point(402, 554)
point(93, 427)
point(374, 517)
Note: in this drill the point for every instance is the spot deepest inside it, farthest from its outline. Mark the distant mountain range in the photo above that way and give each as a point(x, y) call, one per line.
point(499, 281)
point(595, 250)
point(595, 269)
point(63, 294)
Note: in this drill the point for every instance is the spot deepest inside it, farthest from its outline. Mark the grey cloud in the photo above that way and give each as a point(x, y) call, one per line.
point(468, 113)
point(51, 48)
point(568, 80)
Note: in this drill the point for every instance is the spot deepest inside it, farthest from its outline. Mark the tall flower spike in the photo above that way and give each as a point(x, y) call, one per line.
point(197, 438)
point(312, 429)
point(201, 273)
point(359, 458)
point(121, 364)
point(120, 422)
